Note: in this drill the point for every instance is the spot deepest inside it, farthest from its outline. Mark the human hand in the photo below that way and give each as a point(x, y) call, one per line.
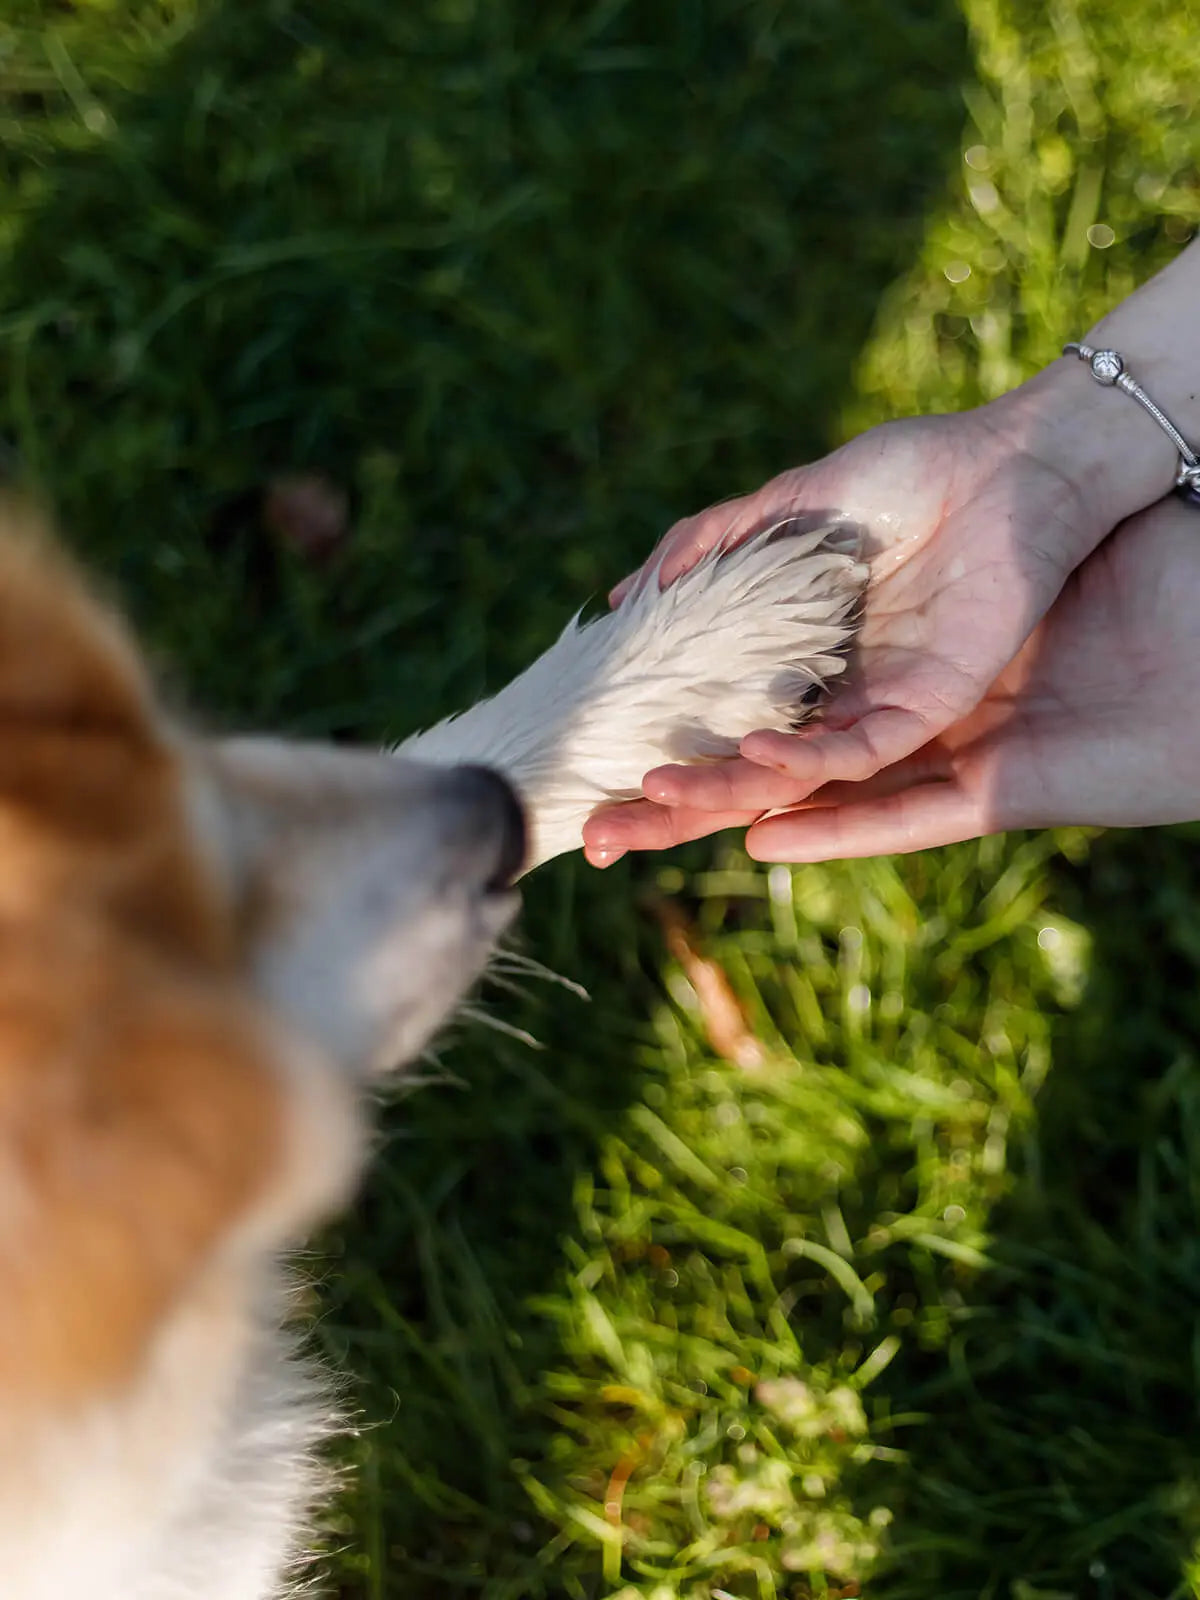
point(1090, 724)
point(972, 524)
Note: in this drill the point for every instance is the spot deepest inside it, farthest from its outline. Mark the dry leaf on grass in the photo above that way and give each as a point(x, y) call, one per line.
point(308, 512)
point(722, 1014)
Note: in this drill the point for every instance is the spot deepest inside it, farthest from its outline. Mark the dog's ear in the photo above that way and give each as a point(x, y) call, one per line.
point(153, 1124)
point(65, 658)
point(155, 1138)
point(94, 799)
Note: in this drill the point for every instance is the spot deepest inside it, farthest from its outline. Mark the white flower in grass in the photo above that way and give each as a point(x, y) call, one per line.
point(834, 1542)
point(808, 1413)
point(765, 1488)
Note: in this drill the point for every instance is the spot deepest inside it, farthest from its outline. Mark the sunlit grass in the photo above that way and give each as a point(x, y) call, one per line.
point(898, 1294)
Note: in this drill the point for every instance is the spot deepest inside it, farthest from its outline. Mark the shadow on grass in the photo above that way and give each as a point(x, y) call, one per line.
point(529, 281)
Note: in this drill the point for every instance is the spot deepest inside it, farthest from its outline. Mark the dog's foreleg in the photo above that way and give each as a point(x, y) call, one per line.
point(745, 640)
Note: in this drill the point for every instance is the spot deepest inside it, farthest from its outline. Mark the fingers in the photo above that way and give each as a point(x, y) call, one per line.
point(725, 524)
point(618, 592)
point(683, 545)
point(723, 786)
point(641, 825)
point(918, 819)
point(781, 769)
point(846, 755)
point(728, 522)
point(685, 803)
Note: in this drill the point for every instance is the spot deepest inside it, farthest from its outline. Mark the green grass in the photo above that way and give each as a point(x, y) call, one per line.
point(910, 1306)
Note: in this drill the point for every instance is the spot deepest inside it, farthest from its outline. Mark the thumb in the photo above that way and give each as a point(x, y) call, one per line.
point(726, 523)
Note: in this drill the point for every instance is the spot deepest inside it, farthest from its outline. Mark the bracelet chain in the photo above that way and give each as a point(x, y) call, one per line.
point(1108, 368)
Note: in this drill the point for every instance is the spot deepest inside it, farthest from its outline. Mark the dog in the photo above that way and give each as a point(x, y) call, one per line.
point(209, 950)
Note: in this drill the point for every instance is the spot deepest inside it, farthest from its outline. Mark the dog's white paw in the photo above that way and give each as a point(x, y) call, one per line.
point(747, 639)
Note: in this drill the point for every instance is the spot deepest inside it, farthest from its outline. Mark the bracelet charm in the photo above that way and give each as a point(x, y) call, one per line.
point(1108, 368)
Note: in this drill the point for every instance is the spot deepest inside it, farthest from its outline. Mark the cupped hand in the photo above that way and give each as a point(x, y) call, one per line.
point(1093, 723)
point(969, 534)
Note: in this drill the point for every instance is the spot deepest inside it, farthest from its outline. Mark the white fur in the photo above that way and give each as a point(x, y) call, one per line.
point(677, 674)
point(196, 1482)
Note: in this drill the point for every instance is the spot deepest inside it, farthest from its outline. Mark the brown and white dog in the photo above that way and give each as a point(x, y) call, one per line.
point(207, 950)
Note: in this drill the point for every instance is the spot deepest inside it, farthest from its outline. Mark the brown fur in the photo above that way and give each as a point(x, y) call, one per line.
point(141, 1111)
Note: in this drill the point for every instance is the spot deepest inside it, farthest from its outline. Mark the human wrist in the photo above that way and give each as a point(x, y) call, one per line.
point(1110, 455)
point(1107, 458)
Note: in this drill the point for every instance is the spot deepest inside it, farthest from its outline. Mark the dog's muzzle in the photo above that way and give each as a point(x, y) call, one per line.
point(488, 808)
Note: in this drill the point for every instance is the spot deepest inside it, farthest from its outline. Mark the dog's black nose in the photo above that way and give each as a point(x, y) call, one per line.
point(494, 810)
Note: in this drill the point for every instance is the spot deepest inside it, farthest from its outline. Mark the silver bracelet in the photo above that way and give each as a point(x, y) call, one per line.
point(1108, 368)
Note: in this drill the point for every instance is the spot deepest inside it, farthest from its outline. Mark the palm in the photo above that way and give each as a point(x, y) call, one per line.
point(955, 589)
point(1089, 724)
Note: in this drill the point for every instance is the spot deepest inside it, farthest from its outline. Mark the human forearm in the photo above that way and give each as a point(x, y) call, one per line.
point(1110, 454)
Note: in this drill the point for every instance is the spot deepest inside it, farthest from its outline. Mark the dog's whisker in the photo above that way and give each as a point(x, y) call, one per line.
point(436, 1075)
point(498, 1025)
point(505, 961)
point(499, 980)
point(411, 1082)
